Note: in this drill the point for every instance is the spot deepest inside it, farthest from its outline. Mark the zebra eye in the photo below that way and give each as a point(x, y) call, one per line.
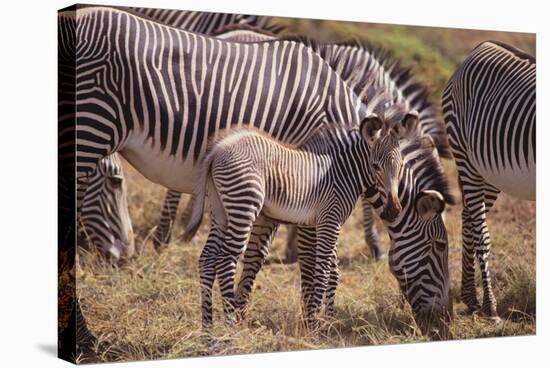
point(376, 167)
point(440, 245)
point(116, 180)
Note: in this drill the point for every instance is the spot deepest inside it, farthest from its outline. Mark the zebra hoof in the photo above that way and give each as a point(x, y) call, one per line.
point(472, 310)
point(489, 314)
point(240, 312)
point(496, 320)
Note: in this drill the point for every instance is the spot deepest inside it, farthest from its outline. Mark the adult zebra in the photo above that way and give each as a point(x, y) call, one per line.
point(489, 107)
point(141, 90)
point(354, 61)
point(105, 221)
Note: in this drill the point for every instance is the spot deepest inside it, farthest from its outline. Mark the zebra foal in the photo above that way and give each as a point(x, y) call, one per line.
point(489, 107)
point(247, 175)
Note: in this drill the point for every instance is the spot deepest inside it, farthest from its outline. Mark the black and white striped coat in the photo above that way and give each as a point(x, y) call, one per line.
point(418, 254)
point(357, 63)
point(104, 221)
point(247, 174)
point(141, 89)
point(489, 107)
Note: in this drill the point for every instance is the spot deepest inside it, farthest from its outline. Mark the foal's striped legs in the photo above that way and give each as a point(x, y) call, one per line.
point(255, 255)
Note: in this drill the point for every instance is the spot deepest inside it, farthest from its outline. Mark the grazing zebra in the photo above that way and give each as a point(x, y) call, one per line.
point(424, 191)
point(104, 219)
point(489, 106)
point(156, 94)
point(247, 174)
point(354, 61)
point(418, 254)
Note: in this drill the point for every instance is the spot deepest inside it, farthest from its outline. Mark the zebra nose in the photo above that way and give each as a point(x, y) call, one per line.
point(112, 253)
point(392, 209)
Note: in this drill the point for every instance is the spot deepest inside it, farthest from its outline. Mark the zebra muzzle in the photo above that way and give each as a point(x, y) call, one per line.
point(392, 209)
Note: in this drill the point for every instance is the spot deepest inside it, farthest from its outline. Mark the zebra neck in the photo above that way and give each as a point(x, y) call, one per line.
point(353, 171)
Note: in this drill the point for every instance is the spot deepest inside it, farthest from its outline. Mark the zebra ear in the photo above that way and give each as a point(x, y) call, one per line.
point(429, 203)
point(410, 124)
point(371, 128)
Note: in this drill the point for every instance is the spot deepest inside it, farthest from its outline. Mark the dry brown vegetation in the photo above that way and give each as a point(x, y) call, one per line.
point(149, 308)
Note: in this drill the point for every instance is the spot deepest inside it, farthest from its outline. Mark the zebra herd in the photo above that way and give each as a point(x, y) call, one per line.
point(220, 104)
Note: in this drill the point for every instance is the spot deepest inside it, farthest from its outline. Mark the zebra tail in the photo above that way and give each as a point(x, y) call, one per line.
point(195, 209)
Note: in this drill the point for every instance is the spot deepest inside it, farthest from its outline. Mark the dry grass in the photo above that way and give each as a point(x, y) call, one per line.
point(149, 307)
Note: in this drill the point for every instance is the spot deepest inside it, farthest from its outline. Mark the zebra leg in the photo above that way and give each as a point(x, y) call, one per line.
point(468, 291)
point(371, 234)
point(489, 307)
point(474, 201)
point(291, 252)
point(163, 232)
point(330, 298)
point(241, 218)
point(207, 271)
point(255, 255)
point(491, 194)
point(307, 239)
point(468, 288)
point(327, 236)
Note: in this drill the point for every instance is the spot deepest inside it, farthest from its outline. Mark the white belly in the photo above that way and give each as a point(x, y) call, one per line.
point(158, 166)
point(302, 216)
point(520, 184)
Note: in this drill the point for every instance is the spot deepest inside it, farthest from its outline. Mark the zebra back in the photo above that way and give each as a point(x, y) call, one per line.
point(361, 64)
point(203, 22)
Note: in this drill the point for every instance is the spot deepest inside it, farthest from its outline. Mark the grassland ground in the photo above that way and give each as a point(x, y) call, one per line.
point(149, 307)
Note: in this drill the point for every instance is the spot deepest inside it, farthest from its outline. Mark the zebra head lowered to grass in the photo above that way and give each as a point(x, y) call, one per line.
point(104, 221)
point(418, 255)
point(247, 174)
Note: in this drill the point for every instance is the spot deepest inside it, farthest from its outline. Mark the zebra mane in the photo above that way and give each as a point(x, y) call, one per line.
point(514, 50)
point(258, 23)
point(271, 30)
point(404, 87)
point(381, 69)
